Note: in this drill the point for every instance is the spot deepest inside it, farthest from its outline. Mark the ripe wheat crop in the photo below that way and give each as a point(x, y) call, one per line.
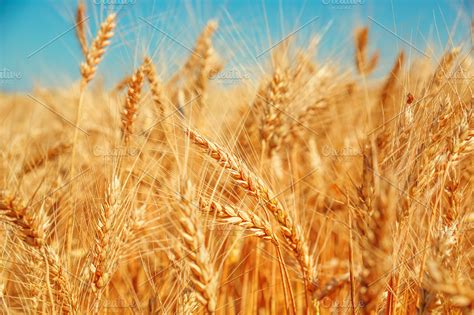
point(321, 189)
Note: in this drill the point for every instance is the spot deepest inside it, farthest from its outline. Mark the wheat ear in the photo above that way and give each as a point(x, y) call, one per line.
point(81, 27)
point(255, 187)
point(246, 219)
point(203, 275)
point(122, 84)
point(97, 49)
point(131, 104)
point(103, 249)
point(391, 81)
point(88, 69)
point(204, 50)
point(444, 66)
point(361, 39)
point(276, 98)
point(155, 85)
point(31, 232)
point(333, 285)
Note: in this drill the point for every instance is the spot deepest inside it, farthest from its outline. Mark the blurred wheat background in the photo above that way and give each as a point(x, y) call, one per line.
point(291, 181)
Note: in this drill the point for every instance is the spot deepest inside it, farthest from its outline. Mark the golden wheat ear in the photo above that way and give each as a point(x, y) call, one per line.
point(443, 70)
point(205, 51)
point(129, 112)
point(88, 69)
point(255, 187)
point(29, 226)
point(363, 65)
point(81, 27)
point(155, 85)
point(392, 79)
point(203, 274)
point(239, 217)
point(97, 49)
point(102, 264)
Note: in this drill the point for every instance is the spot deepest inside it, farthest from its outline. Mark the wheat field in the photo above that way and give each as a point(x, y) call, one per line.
point(314, 190)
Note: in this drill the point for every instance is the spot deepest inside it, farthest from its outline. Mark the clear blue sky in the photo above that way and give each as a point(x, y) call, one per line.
point(38, 43)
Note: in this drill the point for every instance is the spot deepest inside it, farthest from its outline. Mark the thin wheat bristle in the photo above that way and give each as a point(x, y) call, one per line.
point(50, 155)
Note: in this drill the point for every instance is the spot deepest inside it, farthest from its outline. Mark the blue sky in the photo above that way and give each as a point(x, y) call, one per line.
point(38, 44)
